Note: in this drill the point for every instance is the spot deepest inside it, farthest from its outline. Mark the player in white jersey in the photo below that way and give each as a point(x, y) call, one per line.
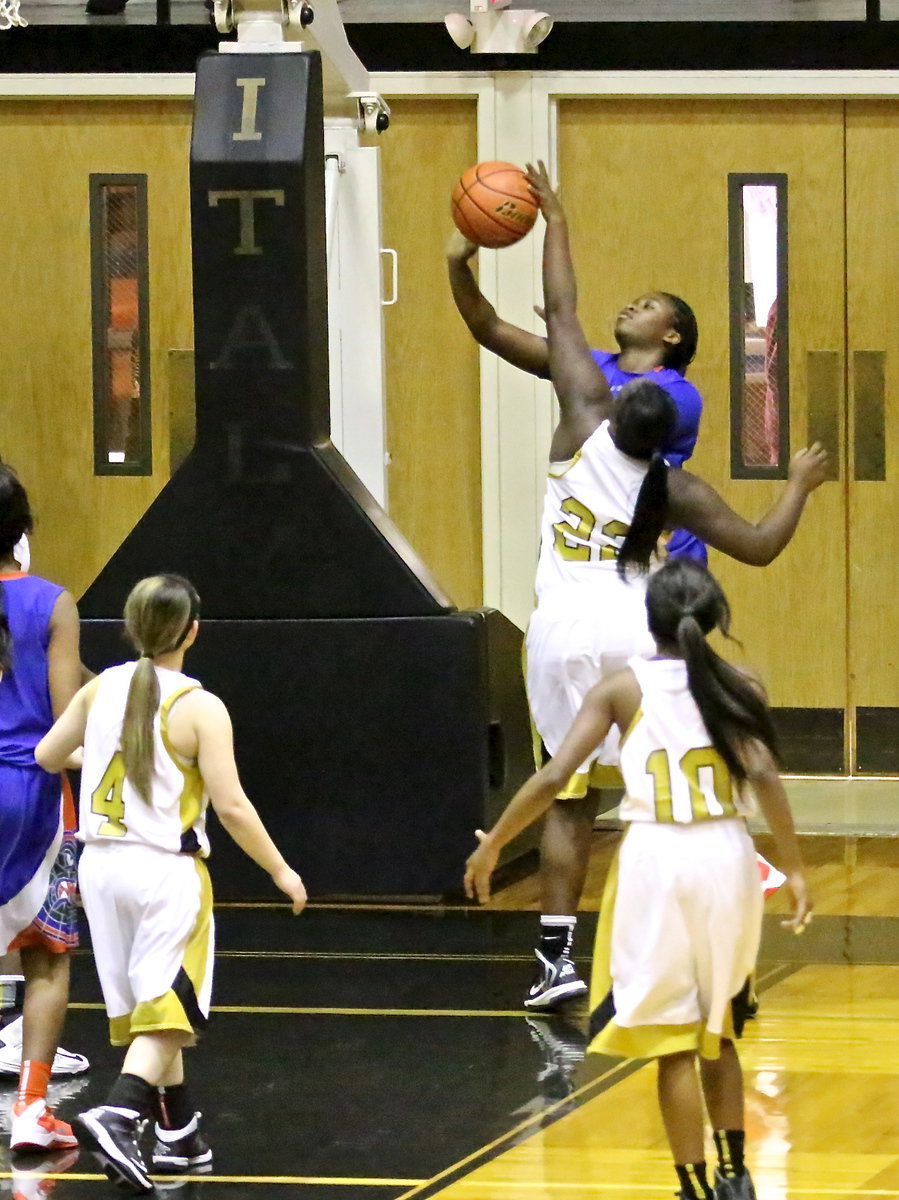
point(609, 496)
point(157, 748)
point(681, 915)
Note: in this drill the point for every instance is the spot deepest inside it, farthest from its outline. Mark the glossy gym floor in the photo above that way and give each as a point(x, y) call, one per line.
point(362, 1052)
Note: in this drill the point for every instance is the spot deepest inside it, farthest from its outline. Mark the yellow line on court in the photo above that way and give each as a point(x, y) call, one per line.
point(360, 956)
point(586, 1186)
point(396, 906)
point(319, 1180)
point(536, 1119)
point(286, 1011)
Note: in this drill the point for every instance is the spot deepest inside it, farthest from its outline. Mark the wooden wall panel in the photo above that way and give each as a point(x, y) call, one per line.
point(872, 163)
point(49, 149)
point(433, 404)
point(645, 182)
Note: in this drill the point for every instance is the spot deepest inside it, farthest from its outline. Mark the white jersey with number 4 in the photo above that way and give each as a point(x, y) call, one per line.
point(110, 809)
point(587, 512)
point(672, 772)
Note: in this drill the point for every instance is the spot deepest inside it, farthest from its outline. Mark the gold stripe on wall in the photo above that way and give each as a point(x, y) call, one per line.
point(823, 378)
point(868, 393)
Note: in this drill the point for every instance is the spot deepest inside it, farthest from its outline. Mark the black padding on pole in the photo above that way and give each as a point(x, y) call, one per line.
point(375, 728)
point(265, 517)
point(372, 749)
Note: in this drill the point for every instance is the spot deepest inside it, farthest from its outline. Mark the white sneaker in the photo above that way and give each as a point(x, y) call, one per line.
point(34, 1127)
point(65, 1062)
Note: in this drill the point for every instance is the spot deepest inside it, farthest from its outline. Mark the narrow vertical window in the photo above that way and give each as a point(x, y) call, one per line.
point(120, 320)
point(759, 359)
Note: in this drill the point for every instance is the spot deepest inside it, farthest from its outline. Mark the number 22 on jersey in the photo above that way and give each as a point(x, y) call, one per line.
point(572, 541)
point(108, 799)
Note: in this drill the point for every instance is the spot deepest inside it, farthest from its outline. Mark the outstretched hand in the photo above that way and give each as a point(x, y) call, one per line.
point(546, 196)
point(479, 867)
point(808, 467)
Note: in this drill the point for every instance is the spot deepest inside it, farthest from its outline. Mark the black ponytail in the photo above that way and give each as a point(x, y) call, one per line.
point(685, 603)
point(648, 521)
point(643, 424)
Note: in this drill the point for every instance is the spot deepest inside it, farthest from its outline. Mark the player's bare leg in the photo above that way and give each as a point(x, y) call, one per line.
point(33, 1126)
point(722, 1085)
point(564, 857)
point(46, 999)
point(680, 1102)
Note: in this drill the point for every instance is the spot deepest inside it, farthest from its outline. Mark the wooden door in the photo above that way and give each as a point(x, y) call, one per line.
point(646, 185)
point(872, 367)
point(50, 148)
point(433, 391)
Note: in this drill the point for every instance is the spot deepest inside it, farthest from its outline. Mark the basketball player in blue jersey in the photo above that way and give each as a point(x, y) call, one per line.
point(41, 671)
point(657, 337)
point(682, 910)
point(12, 981)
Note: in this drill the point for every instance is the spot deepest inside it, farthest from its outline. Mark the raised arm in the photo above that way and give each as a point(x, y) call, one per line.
point(694, 505)
point(517, 346)
point(583, 391)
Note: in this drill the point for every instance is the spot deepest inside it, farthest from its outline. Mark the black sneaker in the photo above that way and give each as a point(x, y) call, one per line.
point(733, 1187)
point(556, 979)
point(111, 1134)
point(180, 1150)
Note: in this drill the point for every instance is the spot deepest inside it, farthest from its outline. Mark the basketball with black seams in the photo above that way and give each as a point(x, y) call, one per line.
point(493, 205)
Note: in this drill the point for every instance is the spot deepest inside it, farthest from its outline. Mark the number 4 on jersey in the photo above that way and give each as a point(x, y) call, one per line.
point(108, 800)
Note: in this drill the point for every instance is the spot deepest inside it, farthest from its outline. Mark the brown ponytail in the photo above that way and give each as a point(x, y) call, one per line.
point(159, 613)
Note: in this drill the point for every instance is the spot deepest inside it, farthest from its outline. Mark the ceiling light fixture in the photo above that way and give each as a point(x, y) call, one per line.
point(492, 27)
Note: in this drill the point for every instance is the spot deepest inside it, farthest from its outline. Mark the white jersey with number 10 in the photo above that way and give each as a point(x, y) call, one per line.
point(672, 772)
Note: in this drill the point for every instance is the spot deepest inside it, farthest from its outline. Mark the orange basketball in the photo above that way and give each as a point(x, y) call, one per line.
point(493, 205)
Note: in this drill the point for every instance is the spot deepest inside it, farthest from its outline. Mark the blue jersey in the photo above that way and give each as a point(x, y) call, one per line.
point(25, 709)
point(29, 797)
point(688, 402)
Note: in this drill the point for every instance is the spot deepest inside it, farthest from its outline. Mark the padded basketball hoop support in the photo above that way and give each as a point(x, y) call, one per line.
point(375, 726)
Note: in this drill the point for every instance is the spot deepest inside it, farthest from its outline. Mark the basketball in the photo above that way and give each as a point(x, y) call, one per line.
point(493, 205)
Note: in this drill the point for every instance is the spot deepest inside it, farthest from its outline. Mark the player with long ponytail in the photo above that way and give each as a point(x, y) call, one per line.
point(159, 614)
point(157, 749)
point(680, 919)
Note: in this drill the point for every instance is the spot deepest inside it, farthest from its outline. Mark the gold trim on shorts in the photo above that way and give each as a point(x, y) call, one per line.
point(169, 1012)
